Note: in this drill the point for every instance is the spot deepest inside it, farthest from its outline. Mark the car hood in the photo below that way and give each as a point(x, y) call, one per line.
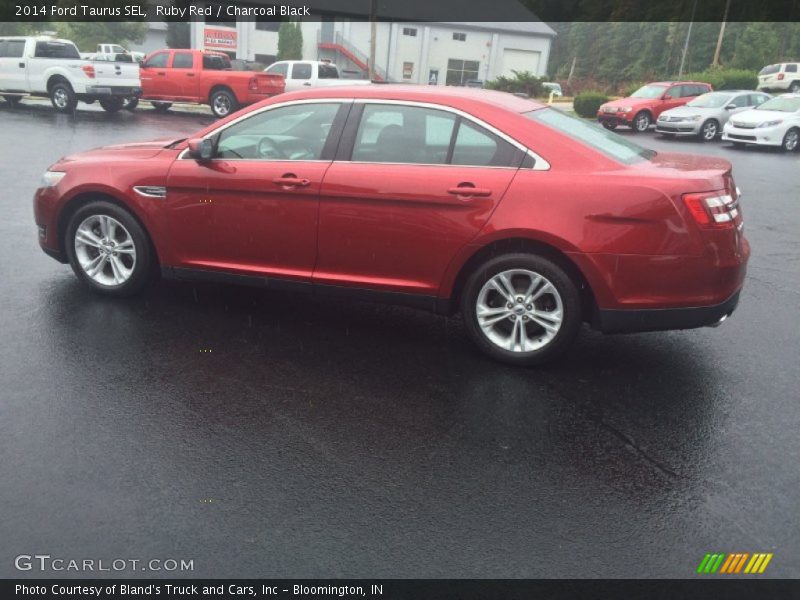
point(687, 111)
point(754, 117)
point(136, 150)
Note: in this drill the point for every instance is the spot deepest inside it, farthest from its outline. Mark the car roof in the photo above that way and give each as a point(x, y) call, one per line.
point(458, 97)
point(677, 83)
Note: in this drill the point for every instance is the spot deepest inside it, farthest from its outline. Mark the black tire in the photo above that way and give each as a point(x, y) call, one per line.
point(791, 141)
point(609, 126)
point(141, 266)
point(131, 104)
point(564, 284)
point(12, 100)
point(641, 122)
point(795, 87)
point(62, 97)
point(709, 130)
point(161, 107)
point(223, 103)
point(112, 105)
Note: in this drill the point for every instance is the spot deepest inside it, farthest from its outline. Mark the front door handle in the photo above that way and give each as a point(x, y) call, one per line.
point(190, 74)
point(290, 180)
point(21, 65)
point(469, 190)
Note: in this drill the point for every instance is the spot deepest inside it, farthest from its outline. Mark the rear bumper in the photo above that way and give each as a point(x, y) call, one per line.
point(630, 321)
point(106, 90)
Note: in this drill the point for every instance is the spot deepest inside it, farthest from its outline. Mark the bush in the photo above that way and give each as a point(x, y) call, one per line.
point(586, 104)
point(726, 79)
point(522, 82)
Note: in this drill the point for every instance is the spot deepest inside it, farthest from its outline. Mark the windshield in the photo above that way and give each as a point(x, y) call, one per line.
point(649, 91)
point(593, 135)
point(770, 70)
point(712, 100)
point(781, 103)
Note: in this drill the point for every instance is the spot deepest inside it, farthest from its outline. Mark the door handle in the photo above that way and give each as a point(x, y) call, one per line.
point(160, 73)
point(469, 190)
point(190, 74)
point(289, 180)
point(21, 65)
point(307, 83)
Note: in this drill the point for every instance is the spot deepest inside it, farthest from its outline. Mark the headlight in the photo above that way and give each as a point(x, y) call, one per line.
point(770, 123)
point(626, 109)
point(694, 118)
point(51, 178)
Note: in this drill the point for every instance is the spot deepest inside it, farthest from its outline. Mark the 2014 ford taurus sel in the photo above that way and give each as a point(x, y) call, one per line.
point(527, 220)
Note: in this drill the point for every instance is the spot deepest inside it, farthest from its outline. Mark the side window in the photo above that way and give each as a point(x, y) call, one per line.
point(477, 147)
point(182, 60)
point(278, 69)
point(756, 99)
point(157, 61)
point(742, 101)
point(688, 91)
point(674, 92)
point(301, 71)
point(215, 62)
point(295, 132)
point(56, 50)
point(15, 49)
point(392, 133)
point(791, 68)
point(3, 49)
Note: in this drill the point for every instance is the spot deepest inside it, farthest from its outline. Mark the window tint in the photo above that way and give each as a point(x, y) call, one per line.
point(393, 133)
point(216, 62)
point(278, 69)
point(674, 92)
point(182, 60)
point(56, 50)
point(477, 147)
point(301, 71)
point(741, 101)
point(791, 68)
point(158, 61)
point(328, 72)
point(296, 132)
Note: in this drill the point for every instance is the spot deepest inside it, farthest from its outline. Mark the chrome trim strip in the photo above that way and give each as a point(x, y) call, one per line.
point(151, 191)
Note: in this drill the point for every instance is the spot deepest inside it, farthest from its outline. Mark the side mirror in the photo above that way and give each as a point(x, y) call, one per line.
point(201, 149)
point(730, 107)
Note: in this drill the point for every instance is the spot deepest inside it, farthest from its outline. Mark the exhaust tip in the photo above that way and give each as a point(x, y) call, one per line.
point(720, 321)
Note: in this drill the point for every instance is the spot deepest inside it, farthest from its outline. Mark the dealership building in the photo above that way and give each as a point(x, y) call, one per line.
point(436, 53)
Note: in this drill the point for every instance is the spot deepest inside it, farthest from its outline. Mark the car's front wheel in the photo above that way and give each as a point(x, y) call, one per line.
point(108, 249)
point(641, 122)
point(709, 130)
point(608, 125)
point(790, 140)
point(522, 309)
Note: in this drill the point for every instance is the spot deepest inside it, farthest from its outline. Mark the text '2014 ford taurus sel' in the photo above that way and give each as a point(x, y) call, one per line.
point(527, 220)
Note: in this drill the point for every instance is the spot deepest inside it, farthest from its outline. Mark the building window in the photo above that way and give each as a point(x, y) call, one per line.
point(410, 31)
point(460, 37)
point(268, 23)
point(408, 70)
point(459, 72)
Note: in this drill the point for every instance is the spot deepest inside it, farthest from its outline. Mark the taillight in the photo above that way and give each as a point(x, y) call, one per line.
point(254, 84)
point(713, 209)
point(780, 76)
point(89, 70)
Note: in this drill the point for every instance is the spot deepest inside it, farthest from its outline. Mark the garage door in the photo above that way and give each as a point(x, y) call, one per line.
point(520, 60)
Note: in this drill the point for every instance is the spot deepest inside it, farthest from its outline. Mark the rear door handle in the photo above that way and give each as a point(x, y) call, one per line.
point(21, 65)
point(190, 74)
point(469, 190)
point(160, 73)
point(289, 180)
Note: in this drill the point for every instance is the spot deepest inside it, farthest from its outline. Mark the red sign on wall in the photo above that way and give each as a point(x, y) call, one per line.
point(224, 39)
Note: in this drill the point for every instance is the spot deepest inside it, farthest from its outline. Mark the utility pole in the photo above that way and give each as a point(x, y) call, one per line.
point(686, 45)
point(715, 63)
point(572, 70)
point(373, 29)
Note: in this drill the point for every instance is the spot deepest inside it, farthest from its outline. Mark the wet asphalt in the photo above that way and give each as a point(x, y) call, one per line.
point(264, 434)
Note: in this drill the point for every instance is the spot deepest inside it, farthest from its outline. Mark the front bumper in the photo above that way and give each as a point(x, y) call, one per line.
point(662, 319)
point(762, 136)
point(679, 127)
point(615, 118)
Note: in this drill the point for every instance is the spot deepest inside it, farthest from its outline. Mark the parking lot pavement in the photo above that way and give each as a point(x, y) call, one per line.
point(267, 434)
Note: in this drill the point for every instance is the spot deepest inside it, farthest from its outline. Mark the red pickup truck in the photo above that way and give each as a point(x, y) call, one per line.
point(203, 77)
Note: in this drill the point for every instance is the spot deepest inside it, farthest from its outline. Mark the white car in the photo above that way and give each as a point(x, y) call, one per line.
point(776, 122)
point(302, 74)
point(782, 77)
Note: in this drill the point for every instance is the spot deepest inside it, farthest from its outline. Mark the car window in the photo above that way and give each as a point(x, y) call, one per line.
point(711, 100)
point(294, 132)
point(769, 70)
point(117, 49)
point(791, 68)
point(182, 60)
point(393, 133)
point(215, 62)
point(648, 91)
point(757, 99)
point(56, 50)
point(157, 61)
point(328, 72)
point(592, 135)
point(278, 69)
point(674, 92)
point(478, 147)
point(781, 103)
point(741, 101)
point(301, 71)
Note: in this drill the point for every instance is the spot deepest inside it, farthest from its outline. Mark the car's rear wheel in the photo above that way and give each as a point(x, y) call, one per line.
point(161, 106)
point(112, 105)
point(223, 103)
point(12, 100)
point(795, 87)
point(790, 140)
point(641, 122)
point(522, 309)
point(62, 97)
point(108, 249)
point(709, 130)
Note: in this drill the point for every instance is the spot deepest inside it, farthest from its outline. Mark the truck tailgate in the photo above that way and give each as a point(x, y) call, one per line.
point(115, 74)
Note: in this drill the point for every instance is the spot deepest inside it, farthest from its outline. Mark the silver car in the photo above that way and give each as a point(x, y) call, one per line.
point(706, 115)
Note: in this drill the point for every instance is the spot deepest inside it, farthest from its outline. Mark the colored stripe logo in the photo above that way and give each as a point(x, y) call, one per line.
point(734, 563)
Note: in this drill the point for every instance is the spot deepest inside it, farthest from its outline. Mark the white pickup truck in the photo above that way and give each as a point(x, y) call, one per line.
point(301, 74)
point(44, 66)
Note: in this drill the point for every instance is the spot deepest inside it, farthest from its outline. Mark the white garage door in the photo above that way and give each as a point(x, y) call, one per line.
point(520, 60)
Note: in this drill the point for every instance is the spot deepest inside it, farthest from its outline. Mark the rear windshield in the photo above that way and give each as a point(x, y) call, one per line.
point(649, 91)
point(593, 135)
point(216, 62)
point(781, 103)
point(769, 70)
point(328, 72)
point(711, 100)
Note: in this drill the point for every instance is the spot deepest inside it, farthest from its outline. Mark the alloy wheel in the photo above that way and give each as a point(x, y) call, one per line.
point(222, 105)
point(790, 140)
point(105, 250)
point(60, 98)
point(642, 122)
point(709, 131)
point(519, 310)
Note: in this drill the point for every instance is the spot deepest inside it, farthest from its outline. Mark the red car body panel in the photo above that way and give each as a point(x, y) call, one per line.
point(655, 106)
point(396, 228)
point(194, 84)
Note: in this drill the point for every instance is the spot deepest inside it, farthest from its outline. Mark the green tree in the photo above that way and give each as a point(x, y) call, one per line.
point(179, 34)
point(290, 41)
point(756, 46)
point(87, 34)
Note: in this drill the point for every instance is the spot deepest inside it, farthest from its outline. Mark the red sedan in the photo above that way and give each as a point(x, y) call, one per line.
point(527, 220)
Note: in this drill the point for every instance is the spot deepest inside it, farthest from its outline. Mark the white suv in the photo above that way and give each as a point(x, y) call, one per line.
point(782, 77)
